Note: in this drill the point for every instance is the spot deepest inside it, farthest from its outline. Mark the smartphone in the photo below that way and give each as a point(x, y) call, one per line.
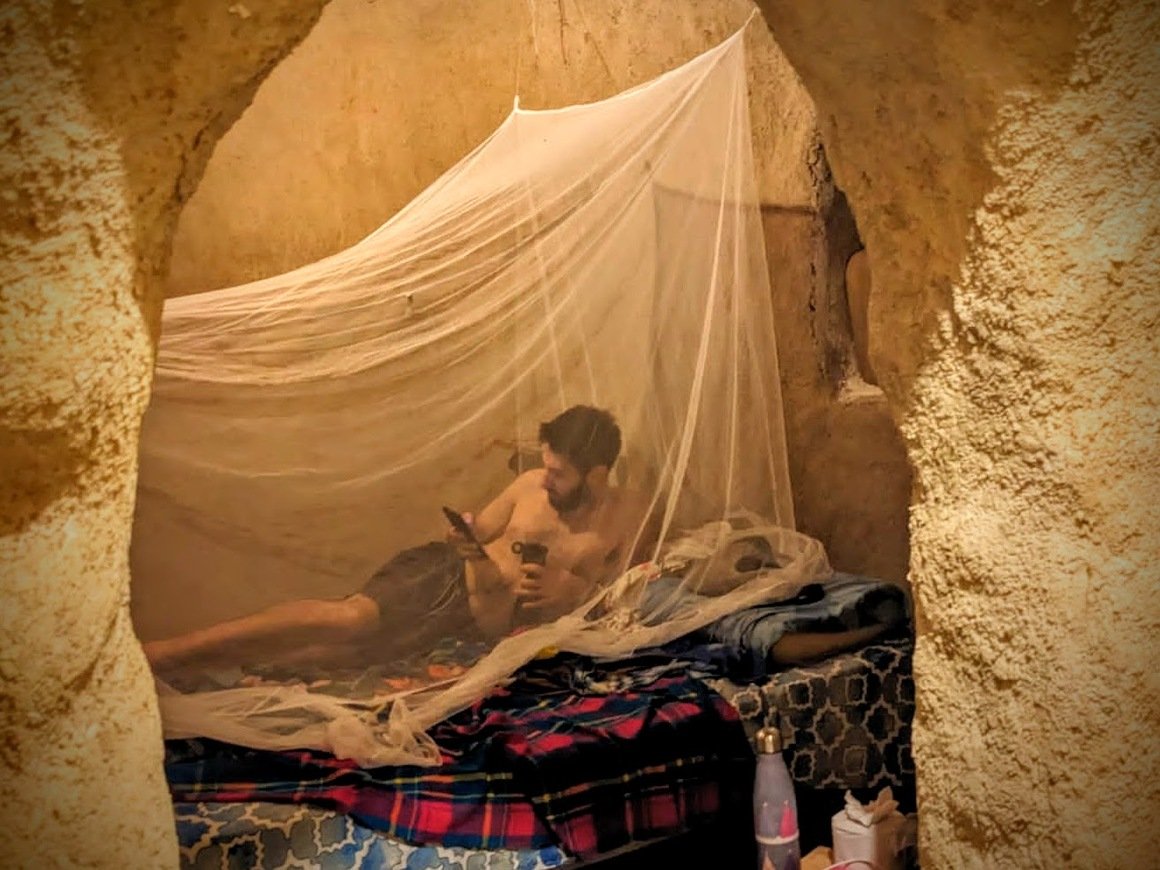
point(460, 525)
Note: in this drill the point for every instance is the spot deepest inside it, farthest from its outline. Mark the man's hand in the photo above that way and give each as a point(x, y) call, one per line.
point(531, 591)
point(551, 592)
point(464, 546)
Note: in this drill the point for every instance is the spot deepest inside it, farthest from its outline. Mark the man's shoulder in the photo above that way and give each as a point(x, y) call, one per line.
point(529, 480)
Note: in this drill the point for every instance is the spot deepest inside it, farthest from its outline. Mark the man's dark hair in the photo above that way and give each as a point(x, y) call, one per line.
point(583, 435)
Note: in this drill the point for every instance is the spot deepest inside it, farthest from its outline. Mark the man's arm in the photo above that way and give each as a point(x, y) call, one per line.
point(491, 600)
point(550, 593)
point(490, 522)
point(490, 596)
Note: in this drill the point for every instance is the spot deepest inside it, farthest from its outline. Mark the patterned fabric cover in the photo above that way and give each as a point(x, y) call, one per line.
point(267, 836)
point(845, 722)
point(590, 757)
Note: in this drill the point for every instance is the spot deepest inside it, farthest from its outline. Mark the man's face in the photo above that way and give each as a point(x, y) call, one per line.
point(563, 481)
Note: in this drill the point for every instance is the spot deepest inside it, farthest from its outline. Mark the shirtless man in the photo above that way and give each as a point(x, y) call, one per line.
point(589, 529)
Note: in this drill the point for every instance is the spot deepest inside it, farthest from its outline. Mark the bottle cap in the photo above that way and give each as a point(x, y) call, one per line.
point(768, 740)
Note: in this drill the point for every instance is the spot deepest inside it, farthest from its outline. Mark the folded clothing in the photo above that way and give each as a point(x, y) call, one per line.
point(741, 642)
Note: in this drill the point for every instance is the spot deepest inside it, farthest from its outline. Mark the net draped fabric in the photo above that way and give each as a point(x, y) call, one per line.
point(305, 427)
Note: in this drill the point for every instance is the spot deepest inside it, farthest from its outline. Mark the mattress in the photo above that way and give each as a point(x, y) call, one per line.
point(585, 755)
point(845, 721)
point(269, 836)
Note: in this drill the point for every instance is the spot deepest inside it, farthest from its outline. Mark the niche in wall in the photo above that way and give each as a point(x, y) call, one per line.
point(848, 464)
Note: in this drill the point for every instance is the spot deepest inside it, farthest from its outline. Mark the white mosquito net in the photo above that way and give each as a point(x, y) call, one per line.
point(306, 428)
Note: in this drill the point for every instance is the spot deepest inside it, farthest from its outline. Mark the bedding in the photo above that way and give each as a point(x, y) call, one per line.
point(744, 639)
point(588, 756)
point(446, 659)
point(269, 836)
point(573, 757)
point(845, 721)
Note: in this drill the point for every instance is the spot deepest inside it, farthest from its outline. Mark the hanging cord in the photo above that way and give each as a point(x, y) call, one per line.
point(520, 50)
point(533, 28)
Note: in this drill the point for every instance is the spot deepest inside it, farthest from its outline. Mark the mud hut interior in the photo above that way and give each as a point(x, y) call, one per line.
point(955, 214)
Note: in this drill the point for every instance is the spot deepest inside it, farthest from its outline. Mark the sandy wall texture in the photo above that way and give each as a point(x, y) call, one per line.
point(1003, 169)
point(384, 96)
point(1001, 166)
point(108, 118)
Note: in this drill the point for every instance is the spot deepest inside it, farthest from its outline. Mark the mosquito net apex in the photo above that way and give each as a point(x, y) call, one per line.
point(305, 431)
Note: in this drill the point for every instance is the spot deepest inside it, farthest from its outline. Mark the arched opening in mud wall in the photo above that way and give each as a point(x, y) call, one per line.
point(993, 163)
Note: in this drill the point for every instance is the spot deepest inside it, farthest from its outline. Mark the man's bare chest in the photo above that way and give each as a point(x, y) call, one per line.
point(570, 545)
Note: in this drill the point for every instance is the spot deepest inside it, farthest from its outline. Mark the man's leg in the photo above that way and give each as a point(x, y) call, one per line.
point(490, 597)
point(269, 634)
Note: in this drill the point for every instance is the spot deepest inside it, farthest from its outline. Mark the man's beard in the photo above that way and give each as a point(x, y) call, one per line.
point(567, 502)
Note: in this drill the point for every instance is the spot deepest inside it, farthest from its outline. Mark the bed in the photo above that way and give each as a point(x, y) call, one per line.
point(577, 760)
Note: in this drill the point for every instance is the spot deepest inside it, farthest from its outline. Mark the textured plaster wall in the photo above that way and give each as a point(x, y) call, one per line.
point(108, 115)
point(384, 96)
point(851, 478)
point(1003, 167)
point(1001, 164)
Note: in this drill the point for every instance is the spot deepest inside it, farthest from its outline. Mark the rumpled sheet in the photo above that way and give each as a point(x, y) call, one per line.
point(553, 758)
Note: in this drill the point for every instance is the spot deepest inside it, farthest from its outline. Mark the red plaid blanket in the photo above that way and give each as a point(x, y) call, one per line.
point(556, 757)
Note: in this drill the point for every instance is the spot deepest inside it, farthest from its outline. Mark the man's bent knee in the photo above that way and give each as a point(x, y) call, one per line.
point(352, 617)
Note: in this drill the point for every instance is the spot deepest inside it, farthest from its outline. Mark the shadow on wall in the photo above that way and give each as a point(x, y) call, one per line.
point(851, 476)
